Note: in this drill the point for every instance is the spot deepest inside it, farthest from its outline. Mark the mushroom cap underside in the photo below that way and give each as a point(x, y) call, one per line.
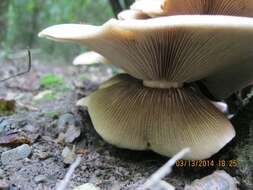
point(175, 48)
point(232, 79)
point(129, 115)
point(155, 8)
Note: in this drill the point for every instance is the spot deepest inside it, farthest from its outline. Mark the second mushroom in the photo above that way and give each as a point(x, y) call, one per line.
point(155, 105)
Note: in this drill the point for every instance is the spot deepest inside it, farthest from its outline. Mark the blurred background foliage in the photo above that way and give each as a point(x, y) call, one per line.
point(21, 20)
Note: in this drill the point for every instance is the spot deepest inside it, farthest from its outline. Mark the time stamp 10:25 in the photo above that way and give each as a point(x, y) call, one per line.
point(206, 163)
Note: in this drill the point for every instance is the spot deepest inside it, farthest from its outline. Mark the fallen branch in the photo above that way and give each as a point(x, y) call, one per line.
point(23, 72)
point(155, 179)
point(27, 107)
point(63, 184)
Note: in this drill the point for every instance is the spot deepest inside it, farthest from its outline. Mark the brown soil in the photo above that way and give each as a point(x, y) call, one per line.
point(102, 164)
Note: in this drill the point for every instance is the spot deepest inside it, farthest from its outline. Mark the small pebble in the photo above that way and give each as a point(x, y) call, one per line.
point(1, 173)
point(13, 187)
point(40, 179)
point(72, 133)
point(30, 128)
point(86, 186)
point(67, 128)
point(18, 153)
point(64, 121)
point(43, 155)
point(68, 155)
point(219, 180)
point(4, 125)
point(4, 185)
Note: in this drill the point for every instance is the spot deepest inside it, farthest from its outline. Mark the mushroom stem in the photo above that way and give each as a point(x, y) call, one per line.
point(162, 84)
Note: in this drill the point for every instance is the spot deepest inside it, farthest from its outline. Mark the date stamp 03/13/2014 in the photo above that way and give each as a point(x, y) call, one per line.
point(206, 163)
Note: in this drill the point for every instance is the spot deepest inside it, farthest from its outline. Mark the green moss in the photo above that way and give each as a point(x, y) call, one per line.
point(51, 80)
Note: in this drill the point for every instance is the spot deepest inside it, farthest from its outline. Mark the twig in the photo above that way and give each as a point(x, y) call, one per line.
point(163, 171)
point(28, 107)
point(63, 184)
point(23, 72)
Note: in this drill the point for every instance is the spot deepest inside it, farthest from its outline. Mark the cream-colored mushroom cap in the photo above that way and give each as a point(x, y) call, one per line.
point(219, 84)
point(129, 115)
point(89, 58)
point(156, 8)
point(176, 48)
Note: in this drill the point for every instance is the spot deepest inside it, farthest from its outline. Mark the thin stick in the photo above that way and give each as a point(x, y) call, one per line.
point(63, 184)
point(23, 72)
point(163, 171)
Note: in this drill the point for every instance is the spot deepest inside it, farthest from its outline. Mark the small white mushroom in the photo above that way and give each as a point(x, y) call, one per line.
point(223, 107)
point(150, 7)
point(89, 58)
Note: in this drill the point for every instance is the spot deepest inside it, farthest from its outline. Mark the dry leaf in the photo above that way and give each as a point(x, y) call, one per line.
point(7, 107)
point(14, 139)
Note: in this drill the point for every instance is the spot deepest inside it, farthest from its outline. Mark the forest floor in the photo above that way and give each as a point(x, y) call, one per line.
point(45, 109)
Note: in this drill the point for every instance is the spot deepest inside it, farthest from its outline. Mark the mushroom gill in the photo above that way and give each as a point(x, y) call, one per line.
point(218, 84)
point(177, 49)
point(153, 108)
point(230, 79)
point(129, 115)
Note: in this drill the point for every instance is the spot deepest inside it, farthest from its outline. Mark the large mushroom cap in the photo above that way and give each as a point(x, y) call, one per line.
point(156, 8)
point(129, 115)
point(176, 48)
point(219, 84)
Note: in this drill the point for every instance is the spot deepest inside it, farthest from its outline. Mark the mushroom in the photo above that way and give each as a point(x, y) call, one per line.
point(156, 8)
point(231, 79)
point(89, 58)
point(151, 8)
point(153, 106)
point(218, 84)
point(129, 115)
